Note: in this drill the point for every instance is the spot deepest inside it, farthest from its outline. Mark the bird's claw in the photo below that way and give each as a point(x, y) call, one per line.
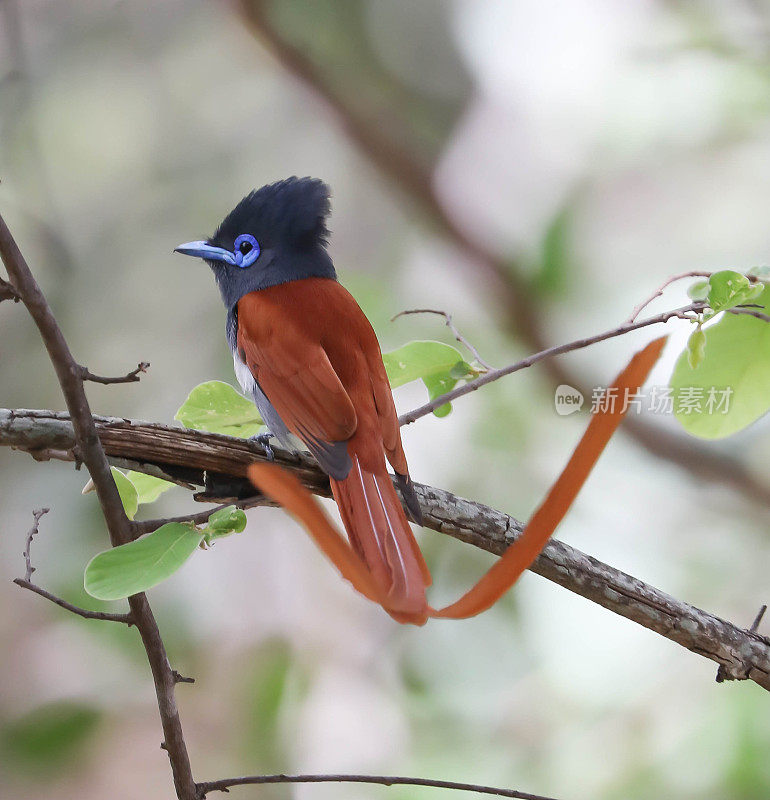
point(263, 439)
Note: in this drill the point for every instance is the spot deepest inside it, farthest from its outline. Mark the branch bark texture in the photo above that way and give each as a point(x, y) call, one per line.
point(183, 456)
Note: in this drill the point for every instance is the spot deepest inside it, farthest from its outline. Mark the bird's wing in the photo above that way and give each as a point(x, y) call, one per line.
point(298, 379)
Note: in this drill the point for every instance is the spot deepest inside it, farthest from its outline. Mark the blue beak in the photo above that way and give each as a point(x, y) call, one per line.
point(203, 250)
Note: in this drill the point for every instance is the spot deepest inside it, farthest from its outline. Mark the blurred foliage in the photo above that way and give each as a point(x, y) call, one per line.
point(50, 738)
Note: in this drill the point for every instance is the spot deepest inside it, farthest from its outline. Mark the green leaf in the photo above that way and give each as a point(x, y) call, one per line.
point(48, 738)
point(224, 522)
point(148, 487)
point(699, 291)
point(696, 347)
point(436, 386)
point(462, 369)
point(728, 289)
point(419, 358)
point(439, 365)
point(139, 565)
point(127, 492)
point(735, 369)
point(762, 272)
point(216, 407)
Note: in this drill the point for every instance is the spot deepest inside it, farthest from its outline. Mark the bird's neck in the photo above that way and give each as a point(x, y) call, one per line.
point(273, 269)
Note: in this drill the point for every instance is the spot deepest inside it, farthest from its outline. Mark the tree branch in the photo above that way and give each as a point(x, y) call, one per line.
point(381, 780)
point(126, 619)
point(26, 581)
point(496, 374)
point(452, 327)
point(194, 454)
point(7, 292)
point(86, 441)
point(131, 377)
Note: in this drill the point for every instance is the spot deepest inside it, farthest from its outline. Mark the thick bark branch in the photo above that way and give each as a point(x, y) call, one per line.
point(184, 456)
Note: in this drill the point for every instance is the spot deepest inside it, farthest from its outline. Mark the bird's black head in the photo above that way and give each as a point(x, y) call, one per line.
point(274, 235)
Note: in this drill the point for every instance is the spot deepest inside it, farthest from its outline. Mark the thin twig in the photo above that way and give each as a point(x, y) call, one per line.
point(149, 525)
point(749, 312)
point(28, 545)
point(745, 655)
point(758, 619)
point(496, 374)
point(7, 292)
point(126, 619)
point(90, 450)
point(381, 780)
point(26, 581)
point(452, 327)
point(659, 291)
point(131, 377)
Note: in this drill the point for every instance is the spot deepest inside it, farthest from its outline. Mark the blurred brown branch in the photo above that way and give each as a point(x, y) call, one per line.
point(510, 292)
point(380, 780)
point(189, 456)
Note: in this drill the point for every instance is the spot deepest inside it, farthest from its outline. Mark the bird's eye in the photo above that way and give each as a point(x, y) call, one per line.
point(245, 250)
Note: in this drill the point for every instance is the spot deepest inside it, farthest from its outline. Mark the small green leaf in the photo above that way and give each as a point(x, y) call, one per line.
point(762, 272)
point(462, 369)
point(696, 347)
point(420, 358)
point(216, 407)
point(439, 365)
point(225, 522)
point(436, 386)
point(728, 289)
point(127, 492)
point(699, 291)
point(730, 387)
point(49, 738)
point(148, 487)
point(137, 566)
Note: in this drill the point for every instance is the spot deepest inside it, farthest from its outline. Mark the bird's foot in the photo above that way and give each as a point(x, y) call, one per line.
point(263, 439)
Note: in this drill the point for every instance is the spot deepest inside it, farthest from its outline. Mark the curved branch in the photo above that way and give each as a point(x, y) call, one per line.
point(742, 654)
point(496, 374)
point(381, 780)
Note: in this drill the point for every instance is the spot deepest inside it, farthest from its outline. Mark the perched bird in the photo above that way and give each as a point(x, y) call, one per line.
point(306, 353)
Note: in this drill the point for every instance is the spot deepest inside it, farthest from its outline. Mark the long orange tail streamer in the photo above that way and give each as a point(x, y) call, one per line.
point(289, 492)
point(520, 555)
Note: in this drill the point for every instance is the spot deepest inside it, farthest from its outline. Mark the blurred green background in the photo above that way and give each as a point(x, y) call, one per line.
point(536, 168)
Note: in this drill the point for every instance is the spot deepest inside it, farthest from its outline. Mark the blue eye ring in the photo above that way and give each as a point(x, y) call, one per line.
point(246, 250)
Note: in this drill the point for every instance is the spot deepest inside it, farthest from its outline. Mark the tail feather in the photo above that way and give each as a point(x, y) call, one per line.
point(379, 532)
